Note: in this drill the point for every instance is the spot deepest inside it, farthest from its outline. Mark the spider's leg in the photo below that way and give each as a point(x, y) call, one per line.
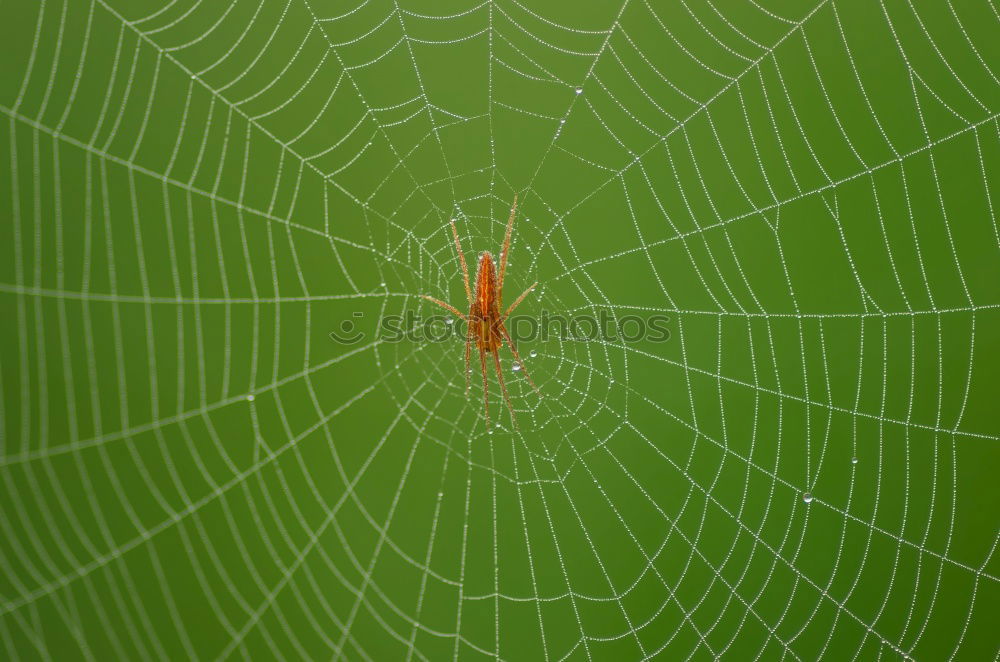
point(506, 247)
point(486, 390)
point(468, 351)
point(503, 387)
point(517, 357)
point(519, 300)
point(445, 306)
point(461, 259)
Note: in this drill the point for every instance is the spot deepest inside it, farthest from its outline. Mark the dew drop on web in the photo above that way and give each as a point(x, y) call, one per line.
point(854, 460)
point(516, 367)
point(533, 354)
point(807, 497)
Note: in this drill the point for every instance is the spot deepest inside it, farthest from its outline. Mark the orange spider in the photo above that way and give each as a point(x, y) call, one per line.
point(485, 323)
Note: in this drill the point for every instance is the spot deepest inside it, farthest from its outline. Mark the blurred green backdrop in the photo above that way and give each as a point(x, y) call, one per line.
point(197, 193)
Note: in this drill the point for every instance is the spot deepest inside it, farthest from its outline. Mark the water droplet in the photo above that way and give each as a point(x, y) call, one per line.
point(532, 353)
point(562, 121)
point(381, 284)
point(490, 431)
point(448, 320)
point(579, 90)
point(517, 366)
point(854, 460)
point(807, 497)
point(527, 220)
point(250, 397)
point(440, 494)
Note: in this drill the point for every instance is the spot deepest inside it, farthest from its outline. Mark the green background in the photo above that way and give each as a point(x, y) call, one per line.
point(196, 193)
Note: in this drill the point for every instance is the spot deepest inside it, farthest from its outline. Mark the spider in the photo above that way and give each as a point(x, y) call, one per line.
point(485, 323)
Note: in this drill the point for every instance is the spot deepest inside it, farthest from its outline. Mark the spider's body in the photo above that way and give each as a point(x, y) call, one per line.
point(486, 323)
point(485, 310)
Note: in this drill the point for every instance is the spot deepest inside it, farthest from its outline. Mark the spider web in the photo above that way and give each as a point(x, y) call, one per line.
point(198, 193)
